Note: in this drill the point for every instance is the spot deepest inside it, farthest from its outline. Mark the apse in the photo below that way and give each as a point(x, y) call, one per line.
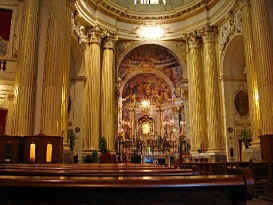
point(151, 99)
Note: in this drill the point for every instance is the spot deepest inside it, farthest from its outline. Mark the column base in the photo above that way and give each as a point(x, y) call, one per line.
point(252, 154)
point(267, 148)
point(209, 157)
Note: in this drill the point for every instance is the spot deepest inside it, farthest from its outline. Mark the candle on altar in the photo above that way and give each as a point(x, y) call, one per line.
point(32, 152)
point(49, 153)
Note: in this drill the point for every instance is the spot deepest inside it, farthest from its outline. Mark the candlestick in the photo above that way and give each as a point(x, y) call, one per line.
point(49, 153)
point(32, 153)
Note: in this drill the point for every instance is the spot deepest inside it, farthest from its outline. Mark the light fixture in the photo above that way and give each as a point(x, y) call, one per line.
point(150, 32)
point(145, 104)
point(3, 65)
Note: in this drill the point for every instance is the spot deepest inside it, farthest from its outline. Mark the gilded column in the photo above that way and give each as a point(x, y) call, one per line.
point(214, 125)
point(93, 97)
point(56, 82)
point(252, 83)
point(264, 58)
point(66, 71)
point(197, 104)
point(25, 77)
point(107, 86)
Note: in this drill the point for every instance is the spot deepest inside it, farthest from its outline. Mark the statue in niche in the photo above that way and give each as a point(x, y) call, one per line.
point(241, 103)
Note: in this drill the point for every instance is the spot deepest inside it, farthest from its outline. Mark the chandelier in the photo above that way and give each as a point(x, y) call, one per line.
point(145, 105)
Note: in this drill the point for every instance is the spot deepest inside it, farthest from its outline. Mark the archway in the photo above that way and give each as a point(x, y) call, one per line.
point(235, 98)
point(151, 74)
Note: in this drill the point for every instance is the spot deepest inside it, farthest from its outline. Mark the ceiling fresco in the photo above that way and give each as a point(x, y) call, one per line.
point(151, 58)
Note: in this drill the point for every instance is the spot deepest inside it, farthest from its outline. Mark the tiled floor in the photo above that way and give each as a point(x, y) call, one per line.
point(259, 202)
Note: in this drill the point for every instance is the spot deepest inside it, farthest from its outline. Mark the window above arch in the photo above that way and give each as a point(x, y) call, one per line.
point(150, 2)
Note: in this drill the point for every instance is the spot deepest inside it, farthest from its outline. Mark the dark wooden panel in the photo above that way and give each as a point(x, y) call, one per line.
point(10, 149)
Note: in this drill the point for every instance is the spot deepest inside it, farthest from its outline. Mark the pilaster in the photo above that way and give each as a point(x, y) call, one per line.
point(252, 84)
point(264, 58)
point(57, 67)
point(23, 120)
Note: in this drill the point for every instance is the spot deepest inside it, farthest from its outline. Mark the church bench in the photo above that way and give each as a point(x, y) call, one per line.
point(29, 170)
point(143, 190)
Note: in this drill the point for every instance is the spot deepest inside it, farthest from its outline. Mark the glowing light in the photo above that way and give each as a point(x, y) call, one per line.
point(151, 32)
point(32, 153)
point(145, 128)
point(256, 95)
point(49, 153)
point(145, 103)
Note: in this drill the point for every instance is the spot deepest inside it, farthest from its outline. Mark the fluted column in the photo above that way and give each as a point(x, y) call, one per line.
point(56, 76)
point(263, 41)
point(197, 104)
point(93, 97)
point(23, 122)
point(214, 125)
point(264, 50)
point(252, 83)
point(107, 111)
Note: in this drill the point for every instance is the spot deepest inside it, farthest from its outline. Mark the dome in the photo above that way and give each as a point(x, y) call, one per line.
point(176, 18)
point(151, 5)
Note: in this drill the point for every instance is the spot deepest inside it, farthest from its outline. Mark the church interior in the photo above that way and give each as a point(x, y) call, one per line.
point(169, 98)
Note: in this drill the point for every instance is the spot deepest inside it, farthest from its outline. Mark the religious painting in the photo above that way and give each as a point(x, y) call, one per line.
point(5, 27)
point(146, 126)
point(152, 57)
point(146, 86)
point(241, 103)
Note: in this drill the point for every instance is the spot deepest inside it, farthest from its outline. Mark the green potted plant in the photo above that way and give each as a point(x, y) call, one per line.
point(245, 138)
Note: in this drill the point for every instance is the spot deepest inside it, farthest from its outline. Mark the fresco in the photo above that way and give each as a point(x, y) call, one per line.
point(152, 56)
point(146, 87)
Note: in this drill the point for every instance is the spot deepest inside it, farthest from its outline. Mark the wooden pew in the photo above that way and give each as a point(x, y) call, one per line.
point(84, 170)
point(134, 190)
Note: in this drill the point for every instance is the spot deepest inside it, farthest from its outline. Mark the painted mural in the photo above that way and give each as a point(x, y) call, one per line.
point(146, 86)
point(151, 57)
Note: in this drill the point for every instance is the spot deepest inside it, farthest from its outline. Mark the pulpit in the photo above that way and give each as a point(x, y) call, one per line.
point(43, 149)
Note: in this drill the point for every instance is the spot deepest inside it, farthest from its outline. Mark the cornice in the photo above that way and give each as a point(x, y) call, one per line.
point(113, 10)
point(177, 22)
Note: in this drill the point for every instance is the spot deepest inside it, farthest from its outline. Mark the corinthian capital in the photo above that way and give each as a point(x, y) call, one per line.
point(209, 34)
point(193, 40)
point(96, 34)
point(110, 40)
point(244, 3)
